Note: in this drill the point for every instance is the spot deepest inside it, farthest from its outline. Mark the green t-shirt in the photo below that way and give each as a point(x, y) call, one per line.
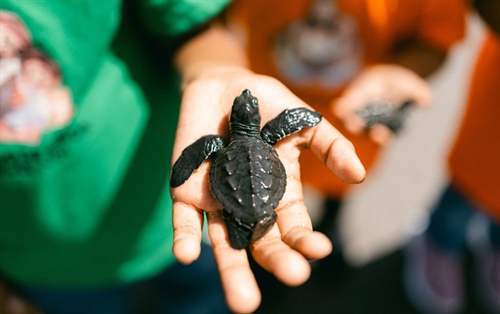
point(85, 150)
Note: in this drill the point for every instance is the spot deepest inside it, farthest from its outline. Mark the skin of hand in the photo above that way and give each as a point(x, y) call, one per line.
point(11, 303)
point(384, 82)
point(209, 88)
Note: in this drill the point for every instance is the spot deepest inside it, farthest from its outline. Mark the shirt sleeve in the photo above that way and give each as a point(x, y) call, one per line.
point(174, 17)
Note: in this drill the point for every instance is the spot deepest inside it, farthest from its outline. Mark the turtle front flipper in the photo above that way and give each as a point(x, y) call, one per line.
point(192, 157)
point(288, 122)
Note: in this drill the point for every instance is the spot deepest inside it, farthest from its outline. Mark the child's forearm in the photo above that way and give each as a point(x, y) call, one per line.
point(212, 49)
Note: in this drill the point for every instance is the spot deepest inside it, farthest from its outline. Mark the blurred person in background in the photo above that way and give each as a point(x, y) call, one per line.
point(468, 210)
point(87, 221)
point(341, 55)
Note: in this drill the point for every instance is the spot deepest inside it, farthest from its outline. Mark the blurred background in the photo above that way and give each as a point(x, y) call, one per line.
point(392, 205)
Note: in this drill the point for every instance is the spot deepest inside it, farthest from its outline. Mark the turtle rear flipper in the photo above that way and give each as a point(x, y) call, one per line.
point(239, 233)
point(192, 157)
point(288, 122)
point(263, 226)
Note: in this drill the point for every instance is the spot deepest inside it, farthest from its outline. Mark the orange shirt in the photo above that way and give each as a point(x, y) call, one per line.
point(474, 161)
point(316, 47)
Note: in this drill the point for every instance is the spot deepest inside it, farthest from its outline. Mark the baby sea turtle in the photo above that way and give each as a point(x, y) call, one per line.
point(246, 176)
point(385, 113)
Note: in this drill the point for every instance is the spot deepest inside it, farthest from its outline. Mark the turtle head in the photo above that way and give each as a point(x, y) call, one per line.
point(245, 111)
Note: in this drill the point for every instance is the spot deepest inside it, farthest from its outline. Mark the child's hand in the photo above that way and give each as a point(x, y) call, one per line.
point(287, 247)
point(12, 303)
point(381, 83)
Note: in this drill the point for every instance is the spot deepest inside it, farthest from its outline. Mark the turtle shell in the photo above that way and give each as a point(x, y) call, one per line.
point(248, 179)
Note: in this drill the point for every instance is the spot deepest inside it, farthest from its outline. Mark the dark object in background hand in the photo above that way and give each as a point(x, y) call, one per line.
point(385, 113)
point(246, 177)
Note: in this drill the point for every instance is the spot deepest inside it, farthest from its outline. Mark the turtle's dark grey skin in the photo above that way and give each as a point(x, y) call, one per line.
point(246, 176)
point(385, 113)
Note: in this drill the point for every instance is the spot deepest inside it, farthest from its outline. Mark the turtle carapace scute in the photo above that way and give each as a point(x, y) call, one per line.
point(246, 176)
